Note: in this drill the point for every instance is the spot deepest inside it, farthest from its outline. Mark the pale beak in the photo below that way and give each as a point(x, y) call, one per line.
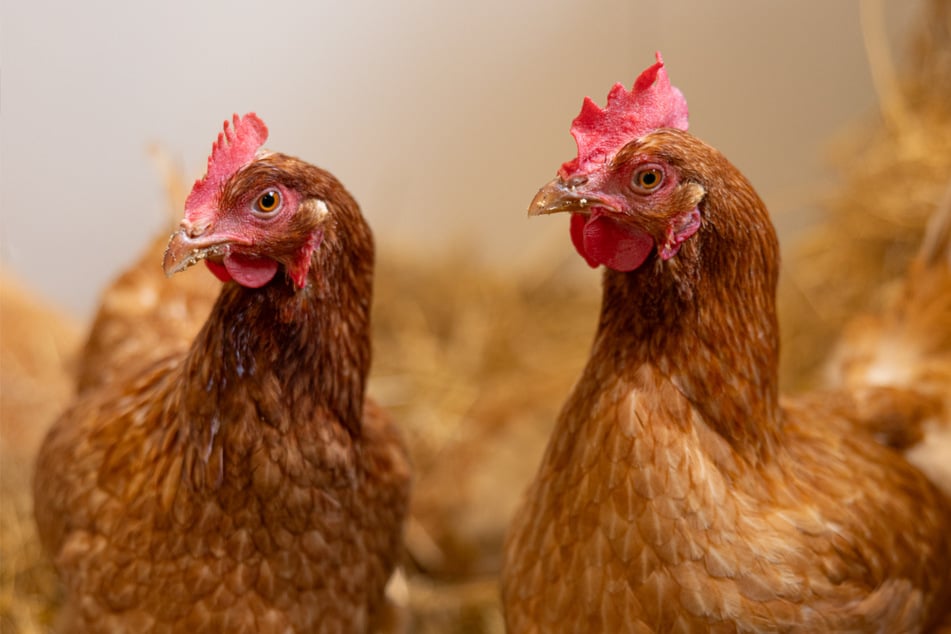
point(184, 250)
point(559, 196)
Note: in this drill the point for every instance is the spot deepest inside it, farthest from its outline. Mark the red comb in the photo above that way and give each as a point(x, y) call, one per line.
point(235, 148)
point(651, 104)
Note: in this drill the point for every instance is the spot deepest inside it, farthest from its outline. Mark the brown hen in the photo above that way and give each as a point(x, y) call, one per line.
point(243, 484)
point(678, 491)
point(143, 315)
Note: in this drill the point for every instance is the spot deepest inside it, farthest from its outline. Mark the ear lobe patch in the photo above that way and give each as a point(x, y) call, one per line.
point(680, 228)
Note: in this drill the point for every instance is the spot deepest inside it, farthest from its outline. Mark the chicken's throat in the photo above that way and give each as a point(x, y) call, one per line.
point(716, 345)
point(248, 271)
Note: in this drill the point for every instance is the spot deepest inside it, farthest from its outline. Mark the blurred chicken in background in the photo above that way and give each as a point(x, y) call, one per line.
point(906, 349)
point(240, 483)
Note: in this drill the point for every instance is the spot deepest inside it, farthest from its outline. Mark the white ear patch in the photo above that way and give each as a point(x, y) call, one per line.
point(316, 208)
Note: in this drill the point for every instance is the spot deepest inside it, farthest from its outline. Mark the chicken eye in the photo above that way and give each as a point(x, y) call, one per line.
point(647, 179)
point(268, 201)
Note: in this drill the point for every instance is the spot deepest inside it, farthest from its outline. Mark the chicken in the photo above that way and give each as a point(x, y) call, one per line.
point(143, 316)
point(38, 343)
point(244, 484)
point(904, 354)
point(678, 491)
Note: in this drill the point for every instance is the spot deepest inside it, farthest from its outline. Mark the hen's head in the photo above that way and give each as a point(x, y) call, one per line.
point(255, 212)
point(627, 195)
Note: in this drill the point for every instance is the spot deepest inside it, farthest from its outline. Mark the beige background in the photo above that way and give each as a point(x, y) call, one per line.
point(443, 118)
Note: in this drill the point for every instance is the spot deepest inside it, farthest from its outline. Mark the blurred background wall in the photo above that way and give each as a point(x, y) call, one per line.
point(442, 118)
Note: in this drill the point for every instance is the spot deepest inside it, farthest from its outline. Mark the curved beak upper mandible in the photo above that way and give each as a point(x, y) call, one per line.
point(559, 196)
point(184, 250)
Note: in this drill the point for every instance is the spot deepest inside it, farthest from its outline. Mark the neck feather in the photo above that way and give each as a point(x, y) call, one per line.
point(297, 355)
point(706, 319)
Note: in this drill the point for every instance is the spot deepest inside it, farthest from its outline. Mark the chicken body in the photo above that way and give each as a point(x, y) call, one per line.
point(678, 491)
point(243, 484)
point(143, 317)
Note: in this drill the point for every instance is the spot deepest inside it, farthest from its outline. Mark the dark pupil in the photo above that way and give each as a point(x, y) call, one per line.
point(648, 178)
point(268, 201)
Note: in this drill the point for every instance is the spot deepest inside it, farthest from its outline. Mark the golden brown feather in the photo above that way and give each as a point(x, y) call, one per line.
point(143, 316)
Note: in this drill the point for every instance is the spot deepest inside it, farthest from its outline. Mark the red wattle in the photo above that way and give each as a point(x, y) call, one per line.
point(601, 240)
point(219, 270)
point(250, 271)
point(577, 238)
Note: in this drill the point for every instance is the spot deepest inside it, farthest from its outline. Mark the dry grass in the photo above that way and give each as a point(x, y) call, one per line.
point(36, 347)
point(895, 166)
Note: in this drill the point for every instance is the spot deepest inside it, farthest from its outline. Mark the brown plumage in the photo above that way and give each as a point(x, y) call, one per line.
point(679, 492)
point(244, 484)
point(144, 316)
